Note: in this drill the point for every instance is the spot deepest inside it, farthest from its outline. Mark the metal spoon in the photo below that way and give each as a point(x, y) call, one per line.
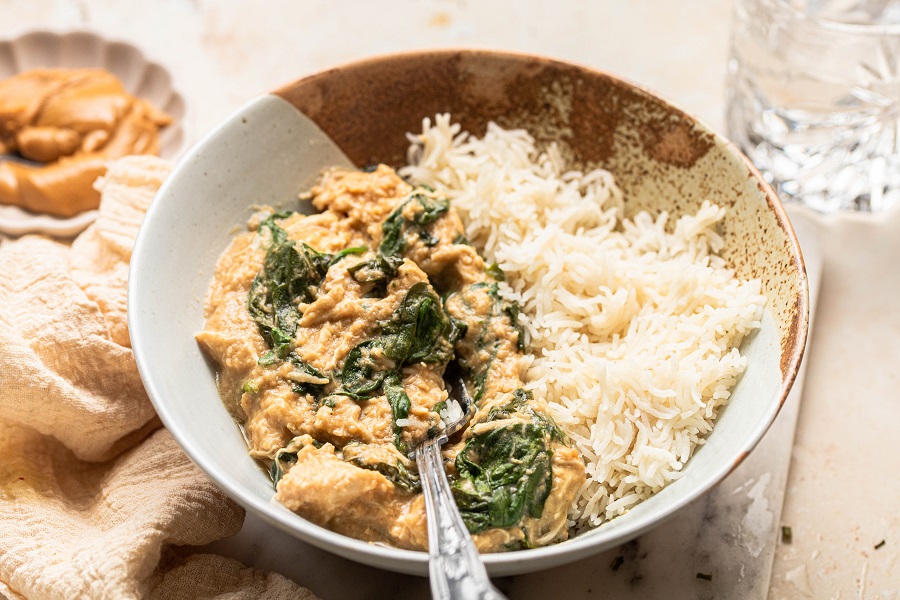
point(454, 565)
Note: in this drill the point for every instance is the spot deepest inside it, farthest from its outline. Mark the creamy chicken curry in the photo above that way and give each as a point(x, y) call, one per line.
point(331, 333)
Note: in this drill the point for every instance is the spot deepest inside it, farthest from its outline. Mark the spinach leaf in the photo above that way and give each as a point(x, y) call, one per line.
point(287, 458)
point(434, 209)
point(315, 381)
point(428, 239)
point(347, 252)
point(504, 474)
point(487, 338)
point(396, 226)
point(336, 258)
point(364, 369)
point(495, 271)
point(289, 276)
point(512, 310)
point(397, 474)
point(280, 343)
point(458, 329)
point(418, 331)
point(379, 270)
point(393, 242)
point(465, 302)
point(521, 405)
point(278, 234)
point(284, 460)
point(400, 405)
point(272, 299)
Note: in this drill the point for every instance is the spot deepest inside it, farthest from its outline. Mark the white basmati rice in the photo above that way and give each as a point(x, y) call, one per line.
point(634, 325)
point(451, 413)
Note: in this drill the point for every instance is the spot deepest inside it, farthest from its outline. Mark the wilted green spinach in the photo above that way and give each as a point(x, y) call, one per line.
point(504, 474)
point(418, 331)
point(487, 340)
point(396, 226)
point(286, 458)
point(290, 275)
point(396, 473)
point(379, 271)
point(316, 380)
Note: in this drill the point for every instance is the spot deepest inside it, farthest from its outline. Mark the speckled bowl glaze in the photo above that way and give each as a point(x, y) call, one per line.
point(80, 49)
point(662, 158)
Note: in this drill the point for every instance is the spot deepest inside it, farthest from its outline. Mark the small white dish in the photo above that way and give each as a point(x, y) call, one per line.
point(80, 49)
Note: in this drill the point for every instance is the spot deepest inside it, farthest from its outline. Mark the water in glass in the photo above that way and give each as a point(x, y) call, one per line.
point(814, 99)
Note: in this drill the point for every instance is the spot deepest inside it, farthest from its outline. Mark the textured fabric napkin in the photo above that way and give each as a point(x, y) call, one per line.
point(96, 499)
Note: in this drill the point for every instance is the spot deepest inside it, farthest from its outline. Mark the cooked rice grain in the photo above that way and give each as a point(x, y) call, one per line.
point(634, 325)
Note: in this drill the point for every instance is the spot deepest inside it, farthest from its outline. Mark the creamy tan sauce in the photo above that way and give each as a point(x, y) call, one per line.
point(74, 121)
point(349, 474)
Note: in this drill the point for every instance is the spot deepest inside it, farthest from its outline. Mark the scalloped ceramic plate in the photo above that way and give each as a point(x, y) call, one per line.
point(140, 76)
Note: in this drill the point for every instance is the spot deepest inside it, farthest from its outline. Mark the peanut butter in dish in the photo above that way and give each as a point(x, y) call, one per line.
point(74, 121)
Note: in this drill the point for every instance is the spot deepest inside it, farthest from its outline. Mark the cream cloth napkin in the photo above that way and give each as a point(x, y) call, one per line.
point(96, 499)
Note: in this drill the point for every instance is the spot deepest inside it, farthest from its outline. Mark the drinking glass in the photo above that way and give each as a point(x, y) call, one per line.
point(814, 99)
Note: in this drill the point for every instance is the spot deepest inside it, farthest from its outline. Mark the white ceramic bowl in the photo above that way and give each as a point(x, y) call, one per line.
point(141, 77)
point(662, 158)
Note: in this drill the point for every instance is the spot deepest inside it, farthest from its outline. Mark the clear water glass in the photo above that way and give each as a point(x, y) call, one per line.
point(814, 99)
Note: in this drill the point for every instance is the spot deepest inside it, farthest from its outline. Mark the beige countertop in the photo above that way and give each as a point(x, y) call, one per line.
point(843, 494)
point(843, 486)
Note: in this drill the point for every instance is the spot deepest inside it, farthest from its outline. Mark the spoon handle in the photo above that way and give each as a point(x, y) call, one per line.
point(454, 565)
